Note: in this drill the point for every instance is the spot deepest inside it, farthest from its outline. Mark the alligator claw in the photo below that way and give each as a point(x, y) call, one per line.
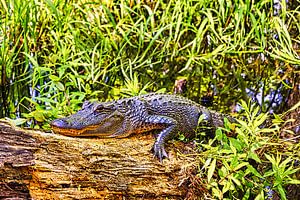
point(159, 151)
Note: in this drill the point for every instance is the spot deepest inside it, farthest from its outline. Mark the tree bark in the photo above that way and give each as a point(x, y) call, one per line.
point(40, 165)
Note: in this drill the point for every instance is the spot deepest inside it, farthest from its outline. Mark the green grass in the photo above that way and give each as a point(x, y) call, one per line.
point(86, 49)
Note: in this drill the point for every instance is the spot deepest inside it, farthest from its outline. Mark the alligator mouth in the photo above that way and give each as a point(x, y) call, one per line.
point(63, 127)
point(68, 131)
point(88, 131)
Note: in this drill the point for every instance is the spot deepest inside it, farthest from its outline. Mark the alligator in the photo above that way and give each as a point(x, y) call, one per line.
point(167, 113)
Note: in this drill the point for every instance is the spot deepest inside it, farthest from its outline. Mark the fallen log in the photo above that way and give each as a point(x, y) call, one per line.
point(39, 165)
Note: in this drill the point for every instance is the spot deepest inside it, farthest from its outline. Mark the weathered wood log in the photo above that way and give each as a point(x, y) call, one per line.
point(40, 165)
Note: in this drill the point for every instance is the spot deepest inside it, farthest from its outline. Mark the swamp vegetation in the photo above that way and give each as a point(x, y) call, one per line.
point(239, 57)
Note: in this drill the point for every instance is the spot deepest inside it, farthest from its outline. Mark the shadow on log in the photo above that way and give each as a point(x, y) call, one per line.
point(39, 165)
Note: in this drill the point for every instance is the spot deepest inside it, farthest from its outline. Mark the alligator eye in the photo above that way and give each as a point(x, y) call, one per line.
point(99, 108)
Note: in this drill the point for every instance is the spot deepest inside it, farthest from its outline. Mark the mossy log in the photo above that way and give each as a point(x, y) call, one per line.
point(39, 165)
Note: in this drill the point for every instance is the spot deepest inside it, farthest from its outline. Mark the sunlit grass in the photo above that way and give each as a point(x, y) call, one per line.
point(86, 43)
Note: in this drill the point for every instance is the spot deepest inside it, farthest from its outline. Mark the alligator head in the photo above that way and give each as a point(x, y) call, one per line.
point(94, 119)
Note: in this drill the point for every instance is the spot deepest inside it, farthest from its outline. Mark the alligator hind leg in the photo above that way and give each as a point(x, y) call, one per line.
point(159, 149)
point(169, 127)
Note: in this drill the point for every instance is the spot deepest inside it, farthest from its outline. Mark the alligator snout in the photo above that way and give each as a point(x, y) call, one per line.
point(59, 123)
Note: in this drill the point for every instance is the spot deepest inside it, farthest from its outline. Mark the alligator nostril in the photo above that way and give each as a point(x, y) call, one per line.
point(60, 123)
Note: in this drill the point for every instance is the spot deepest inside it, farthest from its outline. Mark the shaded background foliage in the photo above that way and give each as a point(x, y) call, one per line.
point(55, 54)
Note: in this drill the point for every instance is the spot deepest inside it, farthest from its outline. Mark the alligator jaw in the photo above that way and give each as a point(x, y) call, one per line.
point(60, 126)
point(80, 132)
point(67, 132)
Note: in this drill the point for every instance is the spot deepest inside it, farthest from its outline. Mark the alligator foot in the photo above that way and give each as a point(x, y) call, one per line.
point(159, 151)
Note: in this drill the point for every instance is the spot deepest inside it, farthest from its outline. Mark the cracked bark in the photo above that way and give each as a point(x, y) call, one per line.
point(39, 165)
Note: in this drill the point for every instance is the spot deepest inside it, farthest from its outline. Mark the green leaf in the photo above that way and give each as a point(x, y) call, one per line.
point(242, 156)
point(269, 173)
point(54, 78)
point(38, 116)
point(162, 90)
point(239, 166)
point(236, 143)
point(254, 171)
point(236, 181)
point(260, 196)
point(293, 181)
point(225, 151)
point(207, 162)
point(242, 136)
point(227, 185)
point(294, 107)
point(33, 61)
point(271, 159)
point(246, 195)
point(201, 119)
point(255, 111)
point(254, 156)
point(44, 99)
point(211, 170)
point(60, 86)
point(245, 125)
point(217, 193)
point(17, 122)
point(234, 162)
point(281, 192)
point(222, 172)
point(219, 134)
point(260, 119)
point(277, 119)
point(53, 8)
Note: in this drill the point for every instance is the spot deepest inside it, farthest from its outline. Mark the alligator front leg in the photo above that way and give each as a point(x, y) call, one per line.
point(169, 128)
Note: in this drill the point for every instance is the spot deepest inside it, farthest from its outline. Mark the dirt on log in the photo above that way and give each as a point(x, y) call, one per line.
point(40, 165)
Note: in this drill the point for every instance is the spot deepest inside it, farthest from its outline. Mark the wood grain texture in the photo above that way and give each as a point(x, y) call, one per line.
point(39, 165)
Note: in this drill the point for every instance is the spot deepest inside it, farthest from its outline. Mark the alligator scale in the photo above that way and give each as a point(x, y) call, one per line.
point(167, 113)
